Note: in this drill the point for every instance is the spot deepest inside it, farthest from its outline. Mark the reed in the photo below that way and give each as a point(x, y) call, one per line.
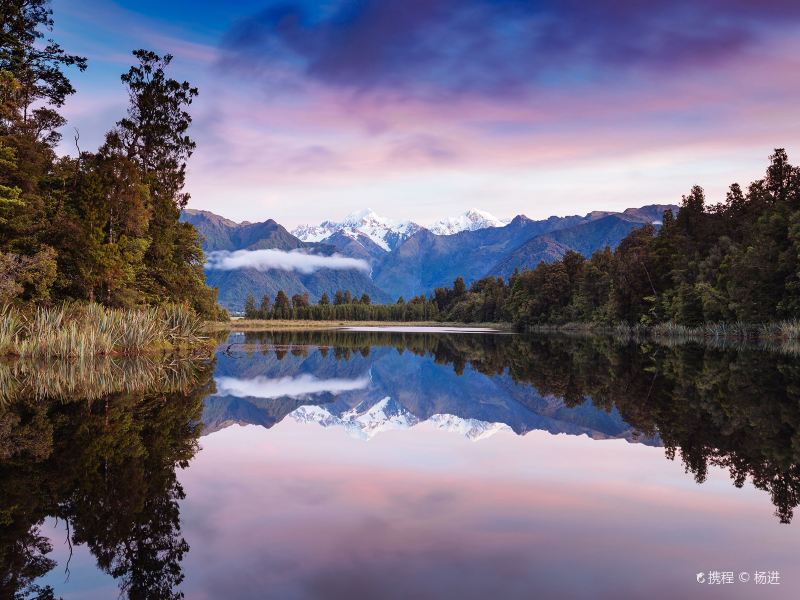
point(95, 377)
point(78, 331)
point(10, 326)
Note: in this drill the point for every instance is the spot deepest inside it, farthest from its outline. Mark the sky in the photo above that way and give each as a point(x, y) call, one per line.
point(421, 109)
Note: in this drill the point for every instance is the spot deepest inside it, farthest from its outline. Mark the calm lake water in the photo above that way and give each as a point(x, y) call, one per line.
point(399, 464)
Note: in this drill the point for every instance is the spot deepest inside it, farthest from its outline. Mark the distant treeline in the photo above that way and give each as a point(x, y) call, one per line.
point(343, 307)
point(100, 226)
point(737, 261)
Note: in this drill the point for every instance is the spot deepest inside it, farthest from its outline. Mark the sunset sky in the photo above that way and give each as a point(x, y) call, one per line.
point(424, 108)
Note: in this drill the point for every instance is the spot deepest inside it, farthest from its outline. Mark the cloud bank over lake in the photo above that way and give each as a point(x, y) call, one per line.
point(264, 260)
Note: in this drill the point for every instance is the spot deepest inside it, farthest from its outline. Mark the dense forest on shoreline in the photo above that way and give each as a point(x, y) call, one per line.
point(733, 262)
point(100, 226)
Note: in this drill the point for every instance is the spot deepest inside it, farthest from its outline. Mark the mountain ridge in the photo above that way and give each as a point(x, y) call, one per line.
point(406, 259)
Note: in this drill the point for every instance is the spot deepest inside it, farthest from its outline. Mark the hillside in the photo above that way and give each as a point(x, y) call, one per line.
point(220, 234)
point(404, 264)
point(584, 238)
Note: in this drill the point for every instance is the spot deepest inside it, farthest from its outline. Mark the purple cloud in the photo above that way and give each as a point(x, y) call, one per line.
point(442, 47)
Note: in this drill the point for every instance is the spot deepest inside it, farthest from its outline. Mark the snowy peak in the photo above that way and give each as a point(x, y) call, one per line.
point(365, 218)
point(389, 234)
point(472, 220)
point(365, 421)
point(472, 429)
point(385, 233)
point(360, 422)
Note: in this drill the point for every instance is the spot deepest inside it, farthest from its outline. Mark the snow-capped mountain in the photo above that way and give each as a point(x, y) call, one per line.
point(387, 414)
point(388, 234)
point(472, 220)
point(385, 233)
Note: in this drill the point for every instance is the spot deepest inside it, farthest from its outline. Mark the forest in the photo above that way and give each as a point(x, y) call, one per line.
point(99, 226)
point(733, 262)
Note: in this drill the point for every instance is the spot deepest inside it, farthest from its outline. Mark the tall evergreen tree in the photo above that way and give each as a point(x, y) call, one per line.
point(263, 311)
point(250, 311)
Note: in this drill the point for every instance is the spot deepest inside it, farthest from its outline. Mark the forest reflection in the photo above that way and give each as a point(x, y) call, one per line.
point(104, 463)
point(98, 446)
point(733, 407)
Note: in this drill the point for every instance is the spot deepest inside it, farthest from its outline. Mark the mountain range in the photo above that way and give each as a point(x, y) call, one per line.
point(405, 258)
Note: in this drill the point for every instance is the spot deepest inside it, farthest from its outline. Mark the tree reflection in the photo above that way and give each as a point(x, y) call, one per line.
point(108, 469)
point(736, 408)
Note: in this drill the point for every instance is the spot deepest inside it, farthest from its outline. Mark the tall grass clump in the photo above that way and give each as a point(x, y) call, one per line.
point(78, 331)
point(97, 377)
point(183, 326)
point(790, 330)
point(10, 327)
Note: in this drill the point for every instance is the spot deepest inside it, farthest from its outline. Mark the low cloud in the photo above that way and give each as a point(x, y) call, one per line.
point(293, 387)
point(264, 260)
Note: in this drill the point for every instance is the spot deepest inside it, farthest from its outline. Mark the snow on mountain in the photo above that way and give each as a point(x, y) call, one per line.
point(472, 429)
point(385, 415)
point(389, 234)
point(472, 220)
point(384, 232)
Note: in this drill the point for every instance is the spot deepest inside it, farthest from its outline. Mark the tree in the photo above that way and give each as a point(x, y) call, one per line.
point(281, 307)
point(37, 66)
point(263, 311)
point(250, 311)
point(323, 300)
point(459, 287)
point(33, 85)
point(338, 298)
point(365, 299)
point(299, 301)
point(634, 295)
point(154, 136)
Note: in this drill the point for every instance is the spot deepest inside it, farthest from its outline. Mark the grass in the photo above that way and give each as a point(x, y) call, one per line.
point(95, 377)
point(298, 325)
point(77, 331)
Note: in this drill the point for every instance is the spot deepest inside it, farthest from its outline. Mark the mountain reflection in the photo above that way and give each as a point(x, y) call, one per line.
point(734, 408)
point(98, 445)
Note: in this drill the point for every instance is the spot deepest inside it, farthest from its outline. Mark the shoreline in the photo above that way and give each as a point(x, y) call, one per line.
point(301, 325)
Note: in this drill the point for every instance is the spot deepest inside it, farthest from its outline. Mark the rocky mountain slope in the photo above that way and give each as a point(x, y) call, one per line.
point(405, 259)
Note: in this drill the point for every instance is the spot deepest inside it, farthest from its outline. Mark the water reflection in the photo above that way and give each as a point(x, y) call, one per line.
point(106, 467)
point(736, 408)
point(289, 387)
point(398, 380)
point(102, 447)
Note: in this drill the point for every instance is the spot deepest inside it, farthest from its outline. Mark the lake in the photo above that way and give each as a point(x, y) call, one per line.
point(405, 464)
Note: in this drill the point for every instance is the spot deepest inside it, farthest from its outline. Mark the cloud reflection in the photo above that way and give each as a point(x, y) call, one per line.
point(292, 387)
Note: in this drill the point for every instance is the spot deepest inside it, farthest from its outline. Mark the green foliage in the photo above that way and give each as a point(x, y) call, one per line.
point(738, 261)
point(107, 468)
point(345, 308)
point(102, 227)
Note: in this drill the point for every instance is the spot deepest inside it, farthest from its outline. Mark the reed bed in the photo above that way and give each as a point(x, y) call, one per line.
point(96, 377)
point(78, 331)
